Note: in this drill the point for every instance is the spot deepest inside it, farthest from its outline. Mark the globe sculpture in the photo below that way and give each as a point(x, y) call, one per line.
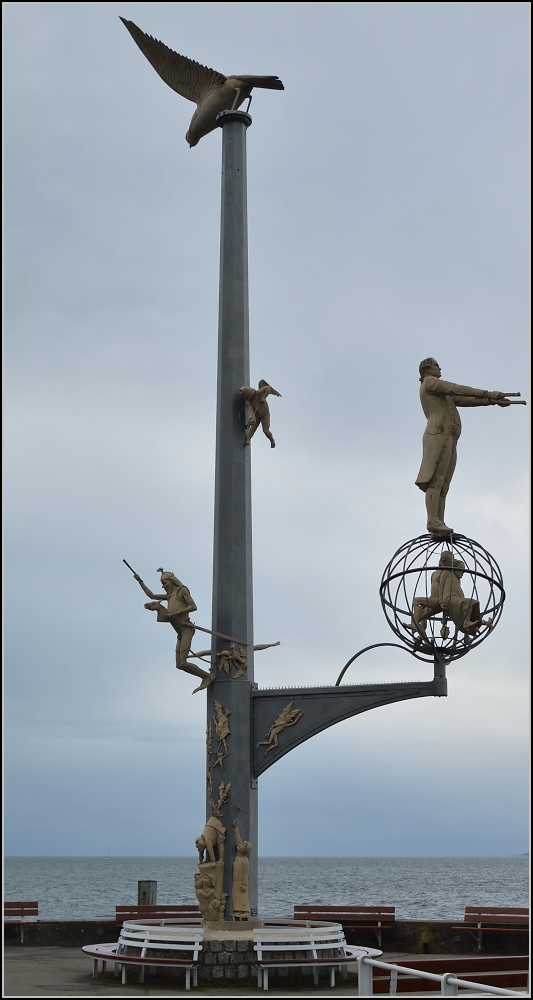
point(442, 595)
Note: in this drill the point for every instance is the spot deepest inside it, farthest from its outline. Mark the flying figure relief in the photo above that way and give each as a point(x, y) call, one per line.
point(212, 92)
point(233, 657)
point(237, 657)
point(222, 730)
point(288, 717)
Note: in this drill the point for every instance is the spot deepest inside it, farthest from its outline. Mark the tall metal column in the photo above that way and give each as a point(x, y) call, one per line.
point(232, 558)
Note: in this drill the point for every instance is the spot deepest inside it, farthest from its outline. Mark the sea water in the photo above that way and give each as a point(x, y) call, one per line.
point(420, 888)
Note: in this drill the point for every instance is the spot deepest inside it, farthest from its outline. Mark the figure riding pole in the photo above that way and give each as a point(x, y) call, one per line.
point(180, 604)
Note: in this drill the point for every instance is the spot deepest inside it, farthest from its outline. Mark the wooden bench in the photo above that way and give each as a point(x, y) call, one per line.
point(376, 918)
point(160, 911)
point(504, 971)
point(20, 914)
point(506, 919)
point(155, 945)
point(301, 946)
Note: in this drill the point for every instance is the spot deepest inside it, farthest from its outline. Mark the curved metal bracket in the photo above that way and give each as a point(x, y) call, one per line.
point(365, 650)
point(439, 664)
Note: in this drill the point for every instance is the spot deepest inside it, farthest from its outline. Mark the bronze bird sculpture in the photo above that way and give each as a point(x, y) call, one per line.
point(212, 92)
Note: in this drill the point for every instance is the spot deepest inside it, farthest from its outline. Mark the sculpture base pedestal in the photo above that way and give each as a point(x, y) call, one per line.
point(230, 927)
point(228, 956)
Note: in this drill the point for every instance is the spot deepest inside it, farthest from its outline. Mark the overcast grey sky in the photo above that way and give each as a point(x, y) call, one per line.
point(388, 221)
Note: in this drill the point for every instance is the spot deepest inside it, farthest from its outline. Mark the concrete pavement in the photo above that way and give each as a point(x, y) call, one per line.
point(66, 972)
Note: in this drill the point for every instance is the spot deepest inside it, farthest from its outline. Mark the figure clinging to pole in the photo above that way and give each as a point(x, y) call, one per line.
point(259, 410)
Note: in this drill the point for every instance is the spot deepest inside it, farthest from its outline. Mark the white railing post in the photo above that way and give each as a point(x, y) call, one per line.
point(449, 987)
point(364, 977)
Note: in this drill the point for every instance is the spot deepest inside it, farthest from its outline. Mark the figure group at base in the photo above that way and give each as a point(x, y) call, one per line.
point(208, 880)
point(440, 400)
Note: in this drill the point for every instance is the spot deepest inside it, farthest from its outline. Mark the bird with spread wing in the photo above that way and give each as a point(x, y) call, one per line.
point(212, 92)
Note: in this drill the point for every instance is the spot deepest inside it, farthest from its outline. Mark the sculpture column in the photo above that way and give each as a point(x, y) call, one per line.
point(231, 761)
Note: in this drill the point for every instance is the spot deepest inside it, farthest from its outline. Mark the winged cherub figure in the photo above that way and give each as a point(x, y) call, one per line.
point(212, 92)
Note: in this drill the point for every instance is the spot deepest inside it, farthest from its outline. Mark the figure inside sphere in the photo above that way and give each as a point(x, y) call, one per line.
point(439, 401)
point(428, 607)
point(463, 611)
point(447, 597)
point(259, 411)
point(179, 605)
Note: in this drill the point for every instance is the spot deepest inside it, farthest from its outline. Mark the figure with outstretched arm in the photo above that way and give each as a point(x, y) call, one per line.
point(439, 401)
point(179, 606)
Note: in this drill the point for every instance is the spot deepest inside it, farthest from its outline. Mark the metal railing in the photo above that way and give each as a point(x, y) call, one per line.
point(449, 983)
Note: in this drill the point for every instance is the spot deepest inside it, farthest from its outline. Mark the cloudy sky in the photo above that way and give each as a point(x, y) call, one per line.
point(388, 206)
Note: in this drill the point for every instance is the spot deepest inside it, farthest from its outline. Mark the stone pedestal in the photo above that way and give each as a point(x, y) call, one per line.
point(228, 956)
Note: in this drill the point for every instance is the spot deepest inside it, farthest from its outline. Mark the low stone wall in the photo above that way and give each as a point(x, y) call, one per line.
point(438, 937)
point(62, 933)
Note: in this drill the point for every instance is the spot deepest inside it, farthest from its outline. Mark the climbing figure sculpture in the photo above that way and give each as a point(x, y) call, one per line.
point(259, 411)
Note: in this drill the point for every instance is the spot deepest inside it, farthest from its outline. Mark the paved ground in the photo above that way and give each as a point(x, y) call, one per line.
point(66, 972)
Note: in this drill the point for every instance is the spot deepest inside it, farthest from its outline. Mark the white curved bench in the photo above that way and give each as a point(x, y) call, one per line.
point(184, 944)
point(305, 944)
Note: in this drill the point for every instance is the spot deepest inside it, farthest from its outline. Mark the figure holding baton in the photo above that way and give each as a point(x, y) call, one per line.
point(179, 606)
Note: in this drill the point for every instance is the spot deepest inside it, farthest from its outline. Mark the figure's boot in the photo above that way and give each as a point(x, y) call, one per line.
point(205, 683)
point(435, 524)
point(440, 506)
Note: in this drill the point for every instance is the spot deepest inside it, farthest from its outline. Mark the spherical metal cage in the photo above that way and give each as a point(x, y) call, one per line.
point(415, 594)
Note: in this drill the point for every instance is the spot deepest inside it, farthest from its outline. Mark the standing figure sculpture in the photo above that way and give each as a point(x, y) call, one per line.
point(179, 604)
point(241, 877)
point(259, 411)
point(440, 400)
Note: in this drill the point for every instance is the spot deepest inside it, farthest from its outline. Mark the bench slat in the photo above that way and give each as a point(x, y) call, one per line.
point(155, 910)
point(372, 911)
point(524, 910)
point(14, 910)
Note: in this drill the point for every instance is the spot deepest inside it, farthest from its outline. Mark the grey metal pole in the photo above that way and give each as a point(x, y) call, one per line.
point(232, 556)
